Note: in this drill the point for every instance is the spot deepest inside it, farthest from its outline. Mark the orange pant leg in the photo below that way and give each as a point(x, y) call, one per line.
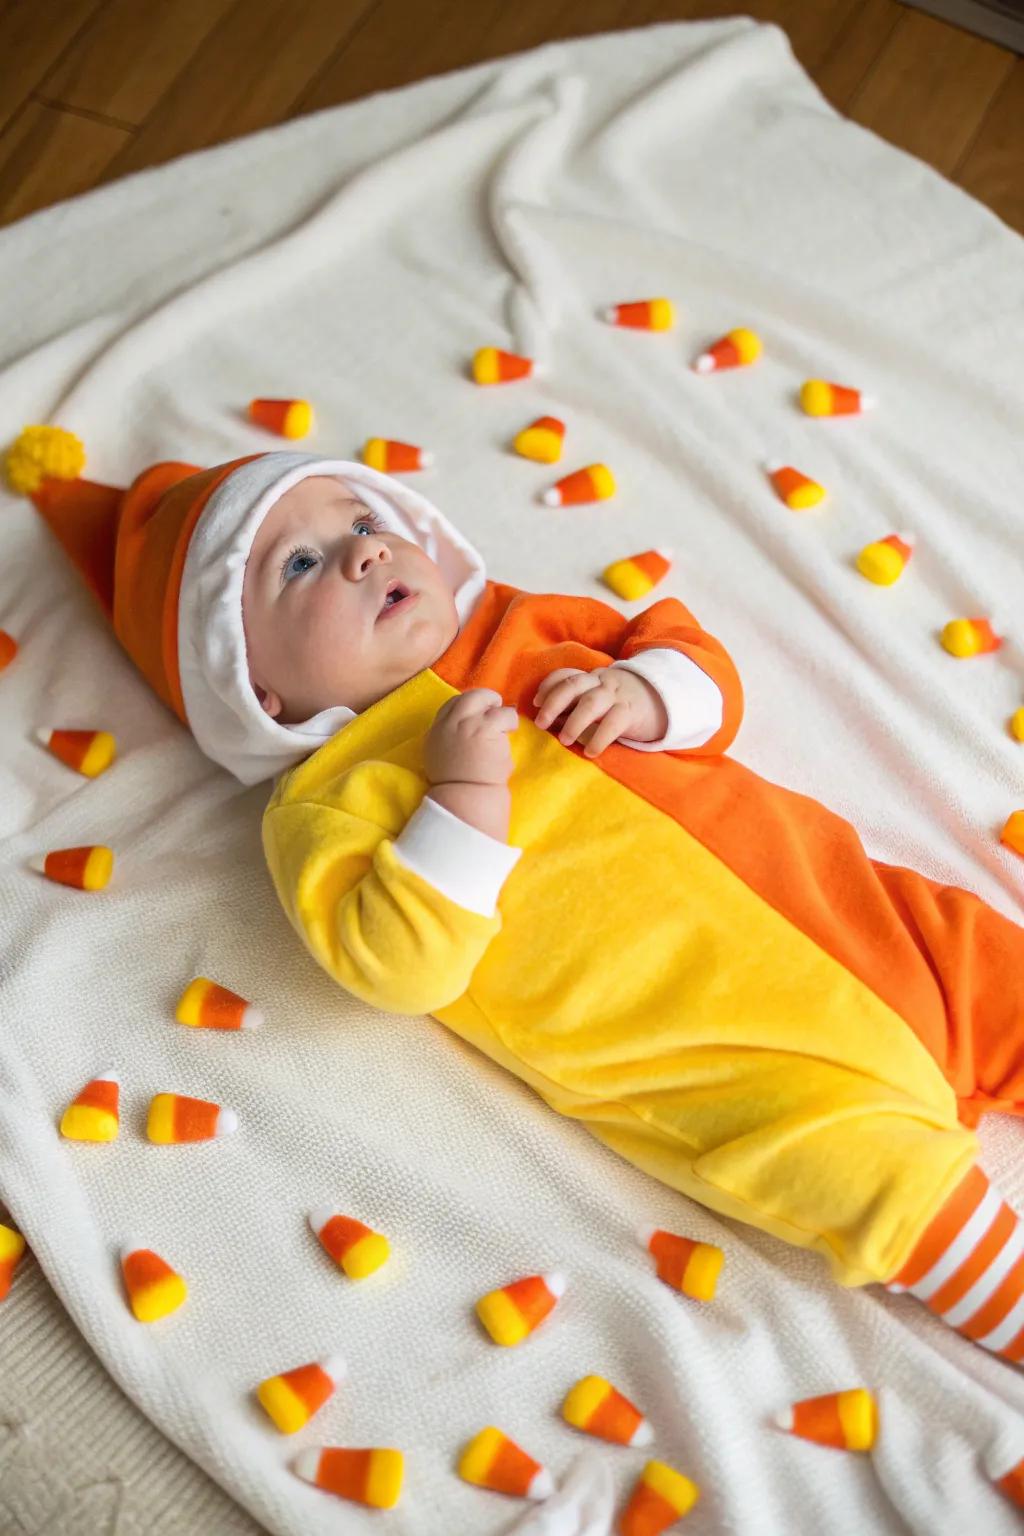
point(977, 957)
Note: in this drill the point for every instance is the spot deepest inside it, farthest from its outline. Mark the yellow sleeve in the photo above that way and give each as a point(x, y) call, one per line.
point(393, 895)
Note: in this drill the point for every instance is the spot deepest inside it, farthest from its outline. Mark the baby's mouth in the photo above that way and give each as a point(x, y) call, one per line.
point(397, 592)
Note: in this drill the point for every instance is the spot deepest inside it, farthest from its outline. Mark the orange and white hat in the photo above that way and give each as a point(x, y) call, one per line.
point(166, 559)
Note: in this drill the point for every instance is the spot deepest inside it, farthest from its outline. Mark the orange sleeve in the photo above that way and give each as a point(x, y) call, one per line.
point(668, 625)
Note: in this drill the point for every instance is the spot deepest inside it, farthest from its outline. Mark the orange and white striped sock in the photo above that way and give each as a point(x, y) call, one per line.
point(968, 1267)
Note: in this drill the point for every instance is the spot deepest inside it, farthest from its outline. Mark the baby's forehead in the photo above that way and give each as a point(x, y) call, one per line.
point(316, 493)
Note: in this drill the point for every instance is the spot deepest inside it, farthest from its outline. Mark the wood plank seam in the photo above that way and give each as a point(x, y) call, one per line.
point(95, 117)
point(295, 110)
point(997, 94)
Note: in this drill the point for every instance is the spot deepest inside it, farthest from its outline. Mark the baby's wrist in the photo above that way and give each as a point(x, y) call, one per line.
point(488, 807)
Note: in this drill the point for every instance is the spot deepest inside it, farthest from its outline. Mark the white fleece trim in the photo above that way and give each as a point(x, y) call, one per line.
point(223, 711)
point(466, 865)
point(693, 701)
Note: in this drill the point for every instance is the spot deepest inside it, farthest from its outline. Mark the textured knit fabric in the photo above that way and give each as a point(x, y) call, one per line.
point(358, 258)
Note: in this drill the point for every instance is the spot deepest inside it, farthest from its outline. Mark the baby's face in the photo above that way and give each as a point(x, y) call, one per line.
point(312, 605)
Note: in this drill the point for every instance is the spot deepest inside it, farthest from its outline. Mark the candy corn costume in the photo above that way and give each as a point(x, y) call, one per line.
point(792, 1034)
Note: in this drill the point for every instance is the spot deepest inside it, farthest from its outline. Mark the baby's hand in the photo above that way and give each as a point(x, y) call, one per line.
point(468, 740)
point(613, 702)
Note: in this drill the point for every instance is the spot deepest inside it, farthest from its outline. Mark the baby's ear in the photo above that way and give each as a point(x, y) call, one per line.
point(269, 701)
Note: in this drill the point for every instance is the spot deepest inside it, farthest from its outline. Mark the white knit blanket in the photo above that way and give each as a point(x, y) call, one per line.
point(358, 257)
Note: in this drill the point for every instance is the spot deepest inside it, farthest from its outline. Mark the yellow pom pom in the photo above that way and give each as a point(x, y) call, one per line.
point(42, 451)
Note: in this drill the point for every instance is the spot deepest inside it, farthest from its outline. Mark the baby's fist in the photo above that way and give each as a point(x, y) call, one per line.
point(468, 741)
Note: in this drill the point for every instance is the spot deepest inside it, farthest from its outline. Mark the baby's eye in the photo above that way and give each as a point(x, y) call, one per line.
point(373, 523)
point(297, 562)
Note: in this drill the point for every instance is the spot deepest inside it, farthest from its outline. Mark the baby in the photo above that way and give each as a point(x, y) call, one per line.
point(321, 630)
point(703, 967)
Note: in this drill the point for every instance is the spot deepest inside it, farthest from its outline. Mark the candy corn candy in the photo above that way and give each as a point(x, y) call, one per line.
point(511, 1314)
point(885, 561)
point(635, 576)
point(393, 458)
point(356, 1248)
point(970, 637)
point(288, 418)
point(660, 1498)
point(1011, 1481)
point(154, 1289)
point(819, 398)
point(87, 869)
point(848, 1421)
point(39, 452)
point(1012, 834)
point(642, 314)
point(174, 1118)
point(371, 1477)
point(595, 483)
point(205, 1004)
point(8, 649)
point(88, 752)
point(1017, 723)
point(542, 440)
point(492, 366)
point(492, 1460)
point(596, 1407)
point(794, 488)
point(292, 1398)
point(92, 1116)
point(737, 349)
point(684, 1264)
point(12, 1246)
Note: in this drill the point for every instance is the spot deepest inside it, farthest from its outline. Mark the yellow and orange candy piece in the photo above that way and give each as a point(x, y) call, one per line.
point(8, 649)
point(542, 441)
point(796, 489)
point(1017, 724)
point(1010, 1482)
point(847, 1421)
point(818, 397)
point(1012, 835)
point(594, 483)
point(884, 561)
point(205, 1004)
point(492, 1460)
point(637, 575)
point(660, 1498)
point(93, 1114)
point(493, 366)
point(85, 869)
point(41, 452)
point(154, 1289)
point(292, 1398)
point(372, 1476)
point(88, 752)
point(970, 637)
point(175, 1118)
point(683, 1263)
point(394, 458)
point(354, 1247)
point(596, 1407)
point(288, 418)
point(12, 1246)
point(642, 314)
point(512, 1313)
point(736, 349)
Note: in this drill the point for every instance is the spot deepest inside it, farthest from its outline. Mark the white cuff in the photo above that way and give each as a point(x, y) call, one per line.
point(466, 865)
point(693, 701)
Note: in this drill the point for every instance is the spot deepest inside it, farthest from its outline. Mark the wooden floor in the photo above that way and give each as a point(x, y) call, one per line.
point(93, 89)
